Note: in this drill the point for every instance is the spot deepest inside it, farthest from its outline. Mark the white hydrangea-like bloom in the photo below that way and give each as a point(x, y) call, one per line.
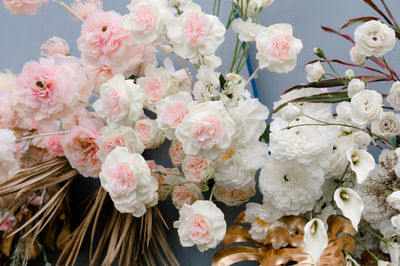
point(195, 33)
point(128, 180)
point(207, 130)
point(149, 133)
point(208, 82)
point(387, 126)
point(374, 38)
point(288, 189)
point(121, 101)
point(277, 48)
point(247, 30)
point(394, 96)
point(7, 152)
point(260, 219)
point(355, 86)
point(147, 20)
point(365, 107)
point(315, 71)
point(337, 156)
point(112, 137)
point(171, 111)
point(349, 73)
point(201, 224)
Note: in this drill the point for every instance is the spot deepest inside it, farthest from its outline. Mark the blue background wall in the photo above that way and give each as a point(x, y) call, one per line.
point(22, 36)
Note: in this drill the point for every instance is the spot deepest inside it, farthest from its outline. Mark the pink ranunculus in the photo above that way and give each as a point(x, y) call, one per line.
point(54, 45)
point(207, 133)
point(7, 224)
point(103, 41)
point(197, 169)
point(54, 146)
point(84, 7)
point(80, 148)
point(19, 7)
point(198, 229)
point(185, 194)
point(176, 153)
point(195, 27)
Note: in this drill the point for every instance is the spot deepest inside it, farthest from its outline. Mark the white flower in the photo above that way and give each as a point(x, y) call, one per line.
point(396, 222)
point(206, 86)
point(128, 180)
point(384, 263)
point(177, 3)
point(374, 38)
point(315, 71)
point(176, 153)
point(171, 111)
point(365, 107)
point(277, 48)
point(394, 95)
point(315, 238)
point(206, 130)
point(253, 6)
point(337, 156)
point(197, 169)
point(260, 219)
point(394, 200)
point(343, 111)
point(234, 90)
point(350, 261)
point(350, 203)
point(350, 73)
point(147, 20)
point(195, 33)
point(394, 251)
point(247, 30)
point(201, 224)
point(121, 101)
point(149, 133)
point(8, 147)
point(361, 138)
point(361, 162)
point(355, 86)
point(211, 60)
point(387, 126)
point(290, 112)
point(356, 56)
point(112, 137)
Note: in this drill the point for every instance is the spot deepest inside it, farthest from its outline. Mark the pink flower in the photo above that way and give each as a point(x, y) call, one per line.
point(198, 229)
point(37, 200)
point(149, 133)
point(80, 148)
point(153, 88)
point(197, 169)
point(122, 178)
point(185, 194)
point(53, 46)
point(279, 48)
point(85, 7)
point(6, 225)
point(195, 28)
point(176, 153)
point(103, 41)
point(19, 7)
point(54, 146)
point(234, 197)
point(207, 133)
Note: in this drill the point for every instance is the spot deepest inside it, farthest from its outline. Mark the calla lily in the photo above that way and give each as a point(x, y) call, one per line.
point(361, 162)
point(315, 238)
point(396, 223)
point(350, 261)
point(394, 251)
point(384, 263)
point(350, 203)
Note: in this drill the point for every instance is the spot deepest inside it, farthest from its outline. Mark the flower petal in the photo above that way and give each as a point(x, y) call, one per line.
point(315, 238)
point(350, 203)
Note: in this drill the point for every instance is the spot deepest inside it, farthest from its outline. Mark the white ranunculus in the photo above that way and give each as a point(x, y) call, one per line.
point(277, 48)
point(349, 73)
point(365, 107)
point(394, 95)
point(112, 137)
point(128, 180)
point(343, 111)
point(121, 101)
point(290, 112)
point(350, 203)
point(361, 162)
point(201, 224)
point(315, 238)
point(206, 130)
point(8, 147)
point(315, 71)
point(247, 30)
point(356, 56)
point(207, 85)
point(149, 133)
point(355, 86)
point(361, 138)
point(337, 156)
point(387, 126)
point(374, 38)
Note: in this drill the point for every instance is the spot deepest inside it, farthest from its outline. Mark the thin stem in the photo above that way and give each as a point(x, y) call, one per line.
point(363, 246)
point(390, 14)
point(252, 76)
point(322, 124)
point(70, 10)
point(388, 67)
point(186, 70)
point(219, 6)
point(334, 71)
point(342, 176)
point(235, 55)
point(374, 234)
point(212, 193)
point(43, 135)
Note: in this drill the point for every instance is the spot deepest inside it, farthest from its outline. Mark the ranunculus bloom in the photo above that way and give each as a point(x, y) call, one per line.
point(185, 194)
point(201, 224)
point(355, 86)
point(84, 7)
point(19, 7)
point(314, 72)
point(149, 133)
point(176, 152)
point(277, 48)
point(387, 126)
point(52, 88)
point(53, 145)
point(104, 41)
point(197, 169)
point(365, 107)
point(81, 146)
point(54, 45)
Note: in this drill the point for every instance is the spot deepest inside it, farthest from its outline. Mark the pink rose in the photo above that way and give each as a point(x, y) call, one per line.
point(80, 148)
point(197, 169)
point(103, 41)
point(53, 46)
point(176, 152)
point(19, 7)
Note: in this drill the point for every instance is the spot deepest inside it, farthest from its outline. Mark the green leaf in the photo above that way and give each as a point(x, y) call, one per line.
point(265, 136)
point(222, 81)
point(356, 20)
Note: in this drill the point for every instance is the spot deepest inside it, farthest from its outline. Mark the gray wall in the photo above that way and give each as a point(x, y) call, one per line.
point(22, 36)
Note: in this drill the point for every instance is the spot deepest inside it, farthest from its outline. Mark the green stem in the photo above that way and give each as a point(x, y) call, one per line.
point(219, 6)
point(363, 246)
point(244, 55)
point(235, 54)
point(334, 71)
point(374, 234)
point(342, 176)
point(389, 69)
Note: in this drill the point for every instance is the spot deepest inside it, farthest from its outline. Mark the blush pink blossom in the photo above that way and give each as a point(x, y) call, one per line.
point(185, 194)
point(153, 88)
point(174, 113)
point(54, 45)
point(207, 133)
point(84, 7)
point(198, 229)
point(54, 146)
point(122, 178)
point(176, 153)
point(149, 133)
point(195, 27)
point(279, 47)
point(144, 17)
point(103, 41)
point(19, 7)
point(233, 197)
point(197, 169)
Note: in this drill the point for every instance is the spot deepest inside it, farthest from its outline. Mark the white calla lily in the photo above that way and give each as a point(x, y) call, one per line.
point(350, 261)
point(350, 203)
point(315, 238)
point(361, 162)
point(394, 252)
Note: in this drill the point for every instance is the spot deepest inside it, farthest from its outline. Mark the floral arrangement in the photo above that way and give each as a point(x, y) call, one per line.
point(325, 199)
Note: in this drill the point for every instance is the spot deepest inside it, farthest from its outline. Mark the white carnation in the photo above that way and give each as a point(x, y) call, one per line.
point(315, 71)
point(247, 30)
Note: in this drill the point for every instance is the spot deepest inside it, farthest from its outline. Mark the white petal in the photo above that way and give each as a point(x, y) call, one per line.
point(361, 162)
point(394, 251)
point(350, 261)
point(315, 238)
point(350, 203)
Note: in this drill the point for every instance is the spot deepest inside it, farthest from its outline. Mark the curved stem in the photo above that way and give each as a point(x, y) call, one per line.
point(70, 10)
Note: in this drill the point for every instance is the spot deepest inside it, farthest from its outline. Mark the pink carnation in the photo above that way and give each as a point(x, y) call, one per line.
point(176, 152)
point(103, 41)
point(54, 146)
point(19, 7)
point(53, 46)
point(80, 148)
point(84, 7)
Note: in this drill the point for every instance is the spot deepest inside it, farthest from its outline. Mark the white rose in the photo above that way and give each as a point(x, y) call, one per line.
point(355, 86)
point(361, 138)
point(112, 137)
point(343, 111)
point(247, 30)
point(394, 200)
point(206, 130)
point(201, 224)
point(277, 48)
point(365, 107)
point(356, 56)
point(149, 133)
point(394, 96)
point(290, 112)
point(121, 101)
point(387, 126)
point(374, 38)
point(128, 180)
point(350, 73)
point(315, 72)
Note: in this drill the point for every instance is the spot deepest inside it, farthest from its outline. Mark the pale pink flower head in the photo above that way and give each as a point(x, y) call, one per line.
point(235, 196)
point(84, 7)
point(195, 27)
point(149, 133)
point(54, 45)
point(7, 225)
point(122, 178)
point(176, 152)
point(103, 41)
point(197, 169)
point(185, 194)
point(207, 133)
point(81, 146)
point(37, 200)
point(19, 7)
point(54, 146)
